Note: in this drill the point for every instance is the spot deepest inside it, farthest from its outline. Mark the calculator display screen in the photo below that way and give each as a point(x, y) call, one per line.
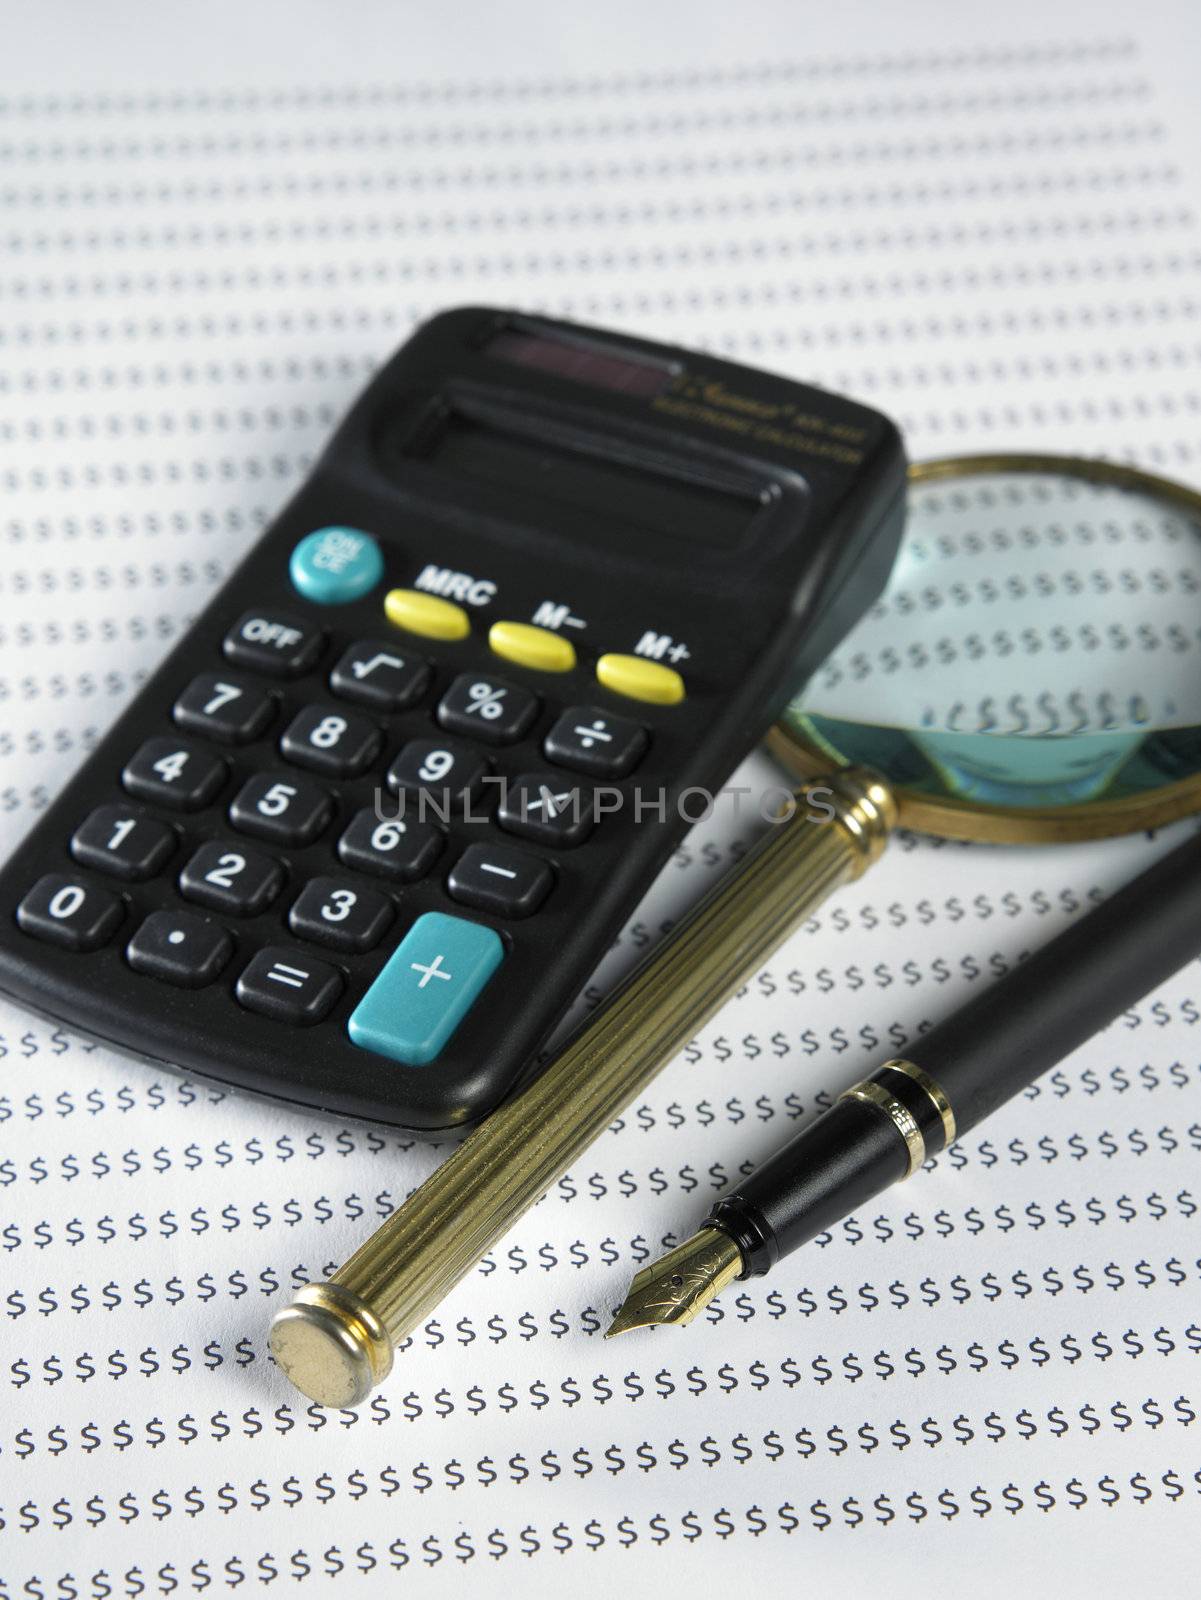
point(601, 493)
point(582, 362)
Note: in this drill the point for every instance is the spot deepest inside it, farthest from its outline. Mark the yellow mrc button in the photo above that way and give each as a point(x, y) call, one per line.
point(426, 614)
point(532, 647)
point(639, 679)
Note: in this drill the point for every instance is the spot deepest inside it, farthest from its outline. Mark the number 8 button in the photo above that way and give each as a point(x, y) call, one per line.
point(337, 743)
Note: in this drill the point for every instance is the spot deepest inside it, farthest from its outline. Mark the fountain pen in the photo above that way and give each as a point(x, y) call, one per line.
point(957, 1073)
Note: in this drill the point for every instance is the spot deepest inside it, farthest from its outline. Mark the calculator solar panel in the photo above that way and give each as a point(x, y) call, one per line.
point(371, 825)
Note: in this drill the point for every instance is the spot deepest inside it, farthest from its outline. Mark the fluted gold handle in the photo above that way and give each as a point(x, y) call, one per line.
point(335, 1341)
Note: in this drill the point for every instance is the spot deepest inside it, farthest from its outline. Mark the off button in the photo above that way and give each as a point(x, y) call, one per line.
point(336, 565)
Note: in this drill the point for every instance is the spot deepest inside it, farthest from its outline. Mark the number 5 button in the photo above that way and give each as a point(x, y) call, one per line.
point(340, 915)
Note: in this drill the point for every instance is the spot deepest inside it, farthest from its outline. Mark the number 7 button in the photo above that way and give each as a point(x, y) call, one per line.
point(427, 987)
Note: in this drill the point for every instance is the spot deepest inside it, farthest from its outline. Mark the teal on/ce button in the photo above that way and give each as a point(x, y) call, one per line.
point(426, 988)
point(335, 565)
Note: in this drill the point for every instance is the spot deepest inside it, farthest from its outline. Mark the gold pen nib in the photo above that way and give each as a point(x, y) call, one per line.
point(680, 1284)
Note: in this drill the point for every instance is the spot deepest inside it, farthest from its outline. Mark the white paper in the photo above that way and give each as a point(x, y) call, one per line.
point(984, 224)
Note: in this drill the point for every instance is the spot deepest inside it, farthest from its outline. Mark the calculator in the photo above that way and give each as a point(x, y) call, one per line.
point(364, 835)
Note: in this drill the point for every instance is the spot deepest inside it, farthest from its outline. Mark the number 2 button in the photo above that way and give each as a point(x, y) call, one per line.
point(337, 743)
point(234, 879)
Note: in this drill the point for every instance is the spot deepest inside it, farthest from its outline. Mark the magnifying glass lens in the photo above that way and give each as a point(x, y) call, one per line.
point(1039, 643)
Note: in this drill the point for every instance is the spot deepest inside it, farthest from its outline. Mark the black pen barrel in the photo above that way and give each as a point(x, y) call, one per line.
point(1068, 990)
point(962, 1069)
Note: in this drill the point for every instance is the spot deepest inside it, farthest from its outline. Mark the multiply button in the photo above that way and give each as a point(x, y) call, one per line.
point(539, 806)
point(588, 740)
point(335, 565)
point(273, 642)
point(426, 988)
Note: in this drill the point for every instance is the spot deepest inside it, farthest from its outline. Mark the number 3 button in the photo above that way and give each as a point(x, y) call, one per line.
point(344, 918)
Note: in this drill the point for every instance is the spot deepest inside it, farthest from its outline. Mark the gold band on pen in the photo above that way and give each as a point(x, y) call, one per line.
point(871, 1092)
point(902, 1119)
point(924, 1081)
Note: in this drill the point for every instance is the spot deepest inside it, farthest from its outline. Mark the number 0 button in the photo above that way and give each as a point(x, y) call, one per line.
point(341, 916)
point(73, 915)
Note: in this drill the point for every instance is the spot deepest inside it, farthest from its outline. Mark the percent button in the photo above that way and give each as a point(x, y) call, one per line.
point(487, 709)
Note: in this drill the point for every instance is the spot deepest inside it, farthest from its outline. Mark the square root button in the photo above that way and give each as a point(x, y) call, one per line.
point(427, 987)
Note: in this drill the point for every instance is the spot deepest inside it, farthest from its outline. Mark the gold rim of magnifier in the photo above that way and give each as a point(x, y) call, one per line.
point(950, 818)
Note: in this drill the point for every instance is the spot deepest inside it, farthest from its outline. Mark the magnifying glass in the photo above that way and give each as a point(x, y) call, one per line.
point(1032, 674)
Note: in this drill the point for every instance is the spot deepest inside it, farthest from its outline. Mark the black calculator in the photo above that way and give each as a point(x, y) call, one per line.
point(368, 830)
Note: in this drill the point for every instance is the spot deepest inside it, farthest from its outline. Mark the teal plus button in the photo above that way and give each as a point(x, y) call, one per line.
point(426, 989)
point(335, 565)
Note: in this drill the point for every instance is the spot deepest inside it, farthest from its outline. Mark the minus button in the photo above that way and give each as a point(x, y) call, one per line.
point(500, 879)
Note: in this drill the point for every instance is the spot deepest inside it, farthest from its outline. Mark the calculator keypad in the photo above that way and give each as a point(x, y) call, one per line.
point(438, 756)
point(403, 848)
point(123, 842)
point(337, 743)
point(233, 879)
point(487, 709)
point(180, 948)
point(289, 987)
point(224, 708)
point(274, 642)
point(175, 773)
point(542, 807)
point(378, 675)
point(283, 808)
point(76, 916)
point(343, 916)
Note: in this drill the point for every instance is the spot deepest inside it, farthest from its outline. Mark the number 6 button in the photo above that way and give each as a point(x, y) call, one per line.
point(341, 916)
point(231, 878)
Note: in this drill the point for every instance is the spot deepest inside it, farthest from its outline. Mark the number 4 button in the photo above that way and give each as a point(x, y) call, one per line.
point(174, 773)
